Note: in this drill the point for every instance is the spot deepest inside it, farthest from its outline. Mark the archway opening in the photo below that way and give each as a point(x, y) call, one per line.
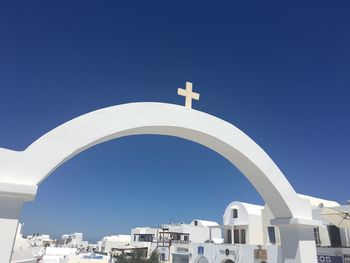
point(202, 259)
point(136, 181)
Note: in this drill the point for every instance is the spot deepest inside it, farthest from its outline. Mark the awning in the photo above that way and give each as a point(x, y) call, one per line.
point(338, 216)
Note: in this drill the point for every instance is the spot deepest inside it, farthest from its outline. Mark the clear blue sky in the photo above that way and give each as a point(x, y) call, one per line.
point(280, 71)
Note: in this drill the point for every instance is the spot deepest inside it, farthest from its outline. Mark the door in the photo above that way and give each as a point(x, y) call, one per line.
point(334, 236)
point(202, 259)
point(229, 236)
point(236, 236)
point(177, 258)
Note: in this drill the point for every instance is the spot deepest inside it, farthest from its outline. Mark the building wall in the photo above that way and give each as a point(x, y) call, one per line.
point(242, 218)
point(316, 214)
point(108, 245)
point(266, 218)
point(142, 230)
point(249, 219)
point(255, 232)
point(324, 236)
point(216, 253)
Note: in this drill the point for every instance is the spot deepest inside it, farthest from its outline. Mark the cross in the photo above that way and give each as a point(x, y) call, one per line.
point(188, 94)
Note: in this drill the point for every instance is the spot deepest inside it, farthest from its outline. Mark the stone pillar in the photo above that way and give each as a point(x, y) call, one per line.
point(12, 197)
point(297, 240)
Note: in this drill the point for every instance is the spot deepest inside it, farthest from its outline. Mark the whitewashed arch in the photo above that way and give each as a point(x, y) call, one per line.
point(22, 172)
point(43, 156)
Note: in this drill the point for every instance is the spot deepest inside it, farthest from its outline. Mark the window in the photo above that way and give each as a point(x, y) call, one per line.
point(134, 237)
point(236, 236)
point(272, 235)
point(146, 238)
point(334, 236)
point(162, 257)
point(186, 238)
point(317, 236)
point(195, 222)
point(175, 236)
point(235, 213)
point(242, 236)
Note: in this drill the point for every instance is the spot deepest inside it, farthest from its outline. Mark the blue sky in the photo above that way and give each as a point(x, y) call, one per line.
point(280, 71)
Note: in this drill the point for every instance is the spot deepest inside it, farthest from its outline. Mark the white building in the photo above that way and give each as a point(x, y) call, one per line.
point(240, 236)
point(242, 224)
point(37, 240)
point(74, 240)
point(58, 254)
point(228, 253)
point(110, 243)
point(326, 235)
point(246, 235)
point(250, 238)
point(38, 243)
point(198, 231)
point(173, 237)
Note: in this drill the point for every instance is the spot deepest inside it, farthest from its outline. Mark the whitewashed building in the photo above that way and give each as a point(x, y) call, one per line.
point(239, 236)
point(110, 243)
point(249, 237)
point(198, 231)
point(171, 238)
point(242, 224)
point(326, 235)
point(74, 240)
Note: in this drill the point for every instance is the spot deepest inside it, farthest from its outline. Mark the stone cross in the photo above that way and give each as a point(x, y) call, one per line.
point(188, 94)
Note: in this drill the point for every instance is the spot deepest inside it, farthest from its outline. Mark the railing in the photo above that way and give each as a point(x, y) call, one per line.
point(168, 242)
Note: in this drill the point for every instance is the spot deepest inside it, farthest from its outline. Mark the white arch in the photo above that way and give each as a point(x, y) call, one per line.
point(43, 156)
point(21, 172)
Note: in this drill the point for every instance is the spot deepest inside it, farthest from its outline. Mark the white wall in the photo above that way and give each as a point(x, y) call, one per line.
point(242, 218)
point(266, 218)
point(110, 242)
point(255, 231)
point(143, 230)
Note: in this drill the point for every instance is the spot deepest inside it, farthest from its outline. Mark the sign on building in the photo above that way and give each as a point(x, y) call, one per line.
point(200, 250)
point(93, 256)
point(329, 259)
point(227, 252)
